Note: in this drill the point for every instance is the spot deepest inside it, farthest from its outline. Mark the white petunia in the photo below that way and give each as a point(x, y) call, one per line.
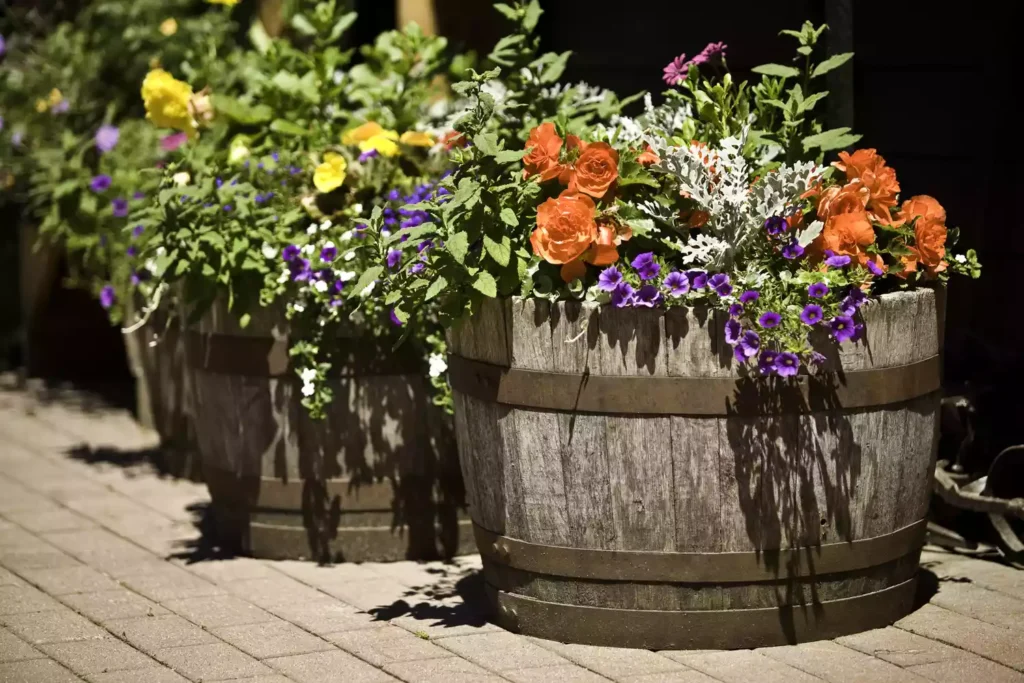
point(307, 375)
point(369, 289)
point(308, 249)
point(960, 258)
point(326, 225)
point(346, 236)
point(350, 255)
point(269, 251)
point(437, 365)
point(357, 208)
point(311, 230)
point(308, 389)
point(283, 277)
point(298, 308)
point(181, 179)
point(345, 275)
point(320, 286)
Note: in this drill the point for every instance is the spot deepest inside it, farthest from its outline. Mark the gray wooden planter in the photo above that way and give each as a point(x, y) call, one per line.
point(376, 480)
point(628, 487)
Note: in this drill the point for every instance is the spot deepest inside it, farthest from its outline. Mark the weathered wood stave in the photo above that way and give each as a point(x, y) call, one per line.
point(376, 480)
point(739, 482)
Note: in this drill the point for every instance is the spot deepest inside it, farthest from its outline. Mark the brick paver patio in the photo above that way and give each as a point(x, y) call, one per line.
point(102, 579)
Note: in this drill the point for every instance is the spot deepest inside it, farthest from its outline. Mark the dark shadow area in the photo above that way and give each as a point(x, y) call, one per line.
point(206, 547)
point(162, 461)
point(453, 601)
point(927, 587)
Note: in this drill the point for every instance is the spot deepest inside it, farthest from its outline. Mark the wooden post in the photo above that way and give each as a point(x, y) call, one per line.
point(420, 11)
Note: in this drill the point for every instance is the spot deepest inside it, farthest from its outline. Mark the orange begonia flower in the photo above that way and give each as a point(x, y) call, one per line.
point(545, 147)
point(868, 167)
point(565, 228)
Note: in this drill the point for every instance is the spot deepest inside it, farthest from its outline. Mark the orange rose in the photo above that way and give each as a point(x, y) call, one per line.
point(648, 157)
point(453, 139)
point(543, 157)
point(867, 166)
point(848, 234)
point(565, 228)
point(923, 206)
point(835, 200)
point(595, 170)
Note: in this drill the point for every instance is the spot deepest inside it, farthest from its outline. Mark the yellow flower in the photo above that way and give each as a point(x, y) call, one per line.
point(383, 142)
point(55, 97)
point(169, 27)
point(42, 105)
point(167, 101)
point(229, 3)
point(361, 134)
point(415, 138)
point(330, 174)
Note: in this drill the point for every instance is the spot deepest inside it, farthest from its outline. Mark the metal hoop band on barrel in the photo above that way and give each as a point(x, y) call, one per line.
point(705, 629)
point(658, 395)
point(711, 568)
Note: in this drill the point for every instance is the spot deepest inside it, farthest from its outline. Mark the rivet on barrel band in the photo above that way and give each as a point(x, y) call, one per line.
point(716, 568)
point(721, 396)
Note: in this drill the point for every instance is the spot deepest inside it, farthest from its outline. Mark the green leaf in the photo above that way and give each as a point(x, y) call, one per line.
point(641, 226)
point(499, 251)
point(508, 216)
point(507, 156)
point(809, 103)
point(457, 246)
point(258, 37)
point(485, 284)
point(556, 68)
point(436, 287)
point(836, 138)
point(776, 70)
point(302, 25)
point(343, 24)
point(244, 320)
point(506, 11)
point(392, 297)
point(833, 62)
point(487, 143)
point(240, 112)
point(368, 276)
point(287, 128)
point(532, 16)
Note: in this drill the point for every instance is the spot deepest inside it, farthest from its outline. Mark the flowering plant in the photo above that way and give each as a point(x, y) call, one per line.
point(267, 200)
point(688, 205)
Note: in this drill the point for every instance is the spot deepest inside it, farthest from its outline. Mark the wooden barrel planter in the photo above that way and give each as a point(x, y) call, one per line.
point(163, 391)
point(629, 486)
point(376, 480)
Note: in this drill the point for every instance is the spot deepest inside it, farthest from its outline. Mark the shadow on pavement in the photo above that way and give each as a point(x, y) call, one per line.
point(456, 599)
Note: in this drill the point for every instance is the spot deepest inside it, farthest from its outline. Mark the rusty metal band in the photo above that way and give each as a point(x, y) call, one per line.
point(692, 395)
point(705, 629)
point(268, 357)
point(714, 568)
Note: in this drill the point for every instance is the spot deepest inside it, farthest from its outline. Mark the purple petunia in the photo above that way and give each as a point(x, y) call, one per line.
point(101, 183)
point(857, 297)
point(847, 307)
point(817, 290)
point(749, 295)
point(787, 364)
point(812, 314)
point(836, 260)
point(139, 196)
point(736, 310)
point(738, 354)
point(120, 205)
point(874, 268)
point(645, 266)
point(328, 253)
point(647, 296)
point(132, 251)
point(750, 343)
point(817, 358)
point(367, 155)
point(677, 283)
point(227, 207)
point(622, 296)
point(793, 250)
point(843, 328)
point(733, 330)
point(300, 269)
point(776, 225)
point(769, 319)
point(698, 279)
point(417, 267)
point(395, 319)
point(609, 279)
point(720, 283)
point(394, 258)
point(766, 362)
point(61, 107)
point(107, 296)
point(106, 138)
point(137, 231)
point(3, 45)
point(290, 253)
point(171, 142)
